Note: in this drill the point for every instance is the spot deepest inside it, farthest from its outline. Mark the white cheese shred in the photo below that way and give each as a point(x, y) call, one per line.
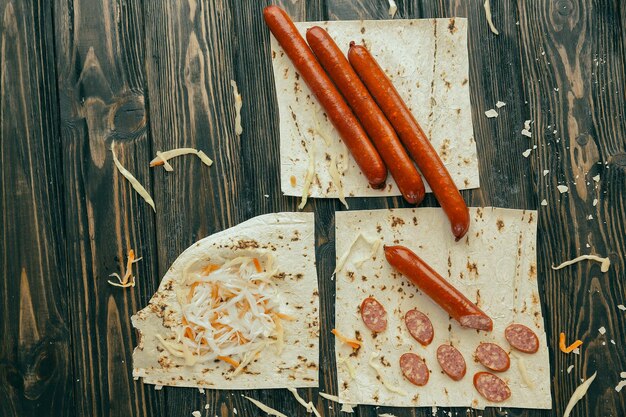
point(308, 178)
point(346, 362)
point(163, 157)
point(620, 385)
point(310, 408)
point(578, 394)
point(491, 113)
point(604, 267)
point(336, 177)
point(133, 181)
point(487, 6)
point(265, 408)
point(569, 368)
point(342, 261)
point(377, 368)
point(393, 8)
point(238, 104)
point(345, 407)
point(166, 164)
point(562, 188)
point(521, 365)
point(498, 105)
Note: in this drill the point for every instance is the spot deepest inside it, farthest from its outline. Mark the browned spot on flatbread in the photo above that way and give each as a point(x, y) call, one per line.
point(444, 150)
point(395, 221)
point(362, 30)
point(532, 271)
point(500, 225)
point(451, 26)
point(414, 221)
point(472, 268)
point(292, 180)
point(464, 81)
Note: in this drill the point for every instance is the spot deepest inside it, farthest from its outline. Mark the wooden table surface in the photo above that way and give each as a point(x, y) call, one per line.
point(155, 74)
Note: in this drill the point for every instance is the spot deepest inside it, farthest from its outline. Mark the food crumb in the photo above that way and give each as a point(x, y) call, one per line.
point(595, 202)
point(491, 113)
point(500, 104)
point(234, 410)
point(526, 153)
point(158, 387)
point(569, 368)
point(266, 195)
point(201, 390)
point(562, 188)
point(545, 172)
point(196, 413)
point(393, 8)
point(590, 217)
point(612, 341)
point(527, 124)
point(602, 330)
point(576, 351)
point(544, 202)
point(206, 406)
point(621, 307)
point(527, 133)
point(596, 178)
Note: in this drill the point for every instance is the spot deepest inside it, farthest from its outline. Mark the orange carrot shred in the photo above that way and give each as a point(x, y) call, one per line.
point(285, 317)
point(189, 333)
point(257, 265)
point(209, 268)
point(229, 361)
point(570, 348)
point(353, 343)
point(191, 290)
point(157, 163)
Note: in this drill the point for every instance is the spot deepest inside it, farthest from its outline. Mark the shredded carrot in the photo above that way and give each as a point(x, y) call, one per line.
point(353, 343)
point(189, 333)
point(209, 268)
point(229, 361)
point(257, 265)
point(570, 348)
point(285, 317)
point(214, 291)
point(191, 290)
point(128, 280)
point(157, 163)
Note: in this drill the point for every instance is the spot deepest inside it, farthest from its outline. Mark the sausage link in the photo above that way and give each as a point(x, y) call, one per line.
point(369, 114)
point(413, 138)
point(441, 291)
point(333, 103)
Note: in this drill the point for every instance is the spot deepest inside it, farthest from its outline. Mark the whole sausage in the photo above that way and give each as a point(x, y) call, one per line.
point(522, 338)
point(414, 369)
point(335, 106)
point(491, 387)
point(367, 111)
point(413, 138)
point(493, 357)
point(420, 326)
point(373, 314)
point(451, 361)
point(441, 291)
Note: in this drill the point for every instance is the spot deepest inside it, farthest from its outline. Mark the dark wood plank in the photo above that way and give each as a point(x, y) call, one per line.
point(99, 46)
point(189, 65)
point(573, 68)
point(35, 347)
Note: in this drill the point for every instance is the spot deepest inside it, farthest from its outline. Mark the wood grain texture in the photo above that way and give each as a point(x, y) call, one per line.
point(155, 75)
point(99, 47)
point(35, 356)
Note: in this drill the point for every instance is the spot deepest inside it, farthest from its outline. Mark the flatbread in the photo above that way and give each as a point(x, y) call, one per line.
point(494, 266)
point(289, 239)
point(427, 61)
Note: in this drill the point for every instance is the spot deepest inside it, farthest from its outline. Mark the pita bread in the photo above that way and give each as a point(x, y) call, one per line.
point(494, 266)
point(288, 238)
point(427, 61)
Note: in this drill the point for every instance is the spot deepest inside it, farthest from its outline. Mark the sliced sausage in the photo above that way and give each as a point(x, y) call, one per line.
point(412, 136)
point(419, 326)
point(414, 369)
point(438, 289)
point(522, 338)
point(451, 361)
point(493, 357)
point(337, 109)
point(369, 114)
point(373, 314)
point(491, 387)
